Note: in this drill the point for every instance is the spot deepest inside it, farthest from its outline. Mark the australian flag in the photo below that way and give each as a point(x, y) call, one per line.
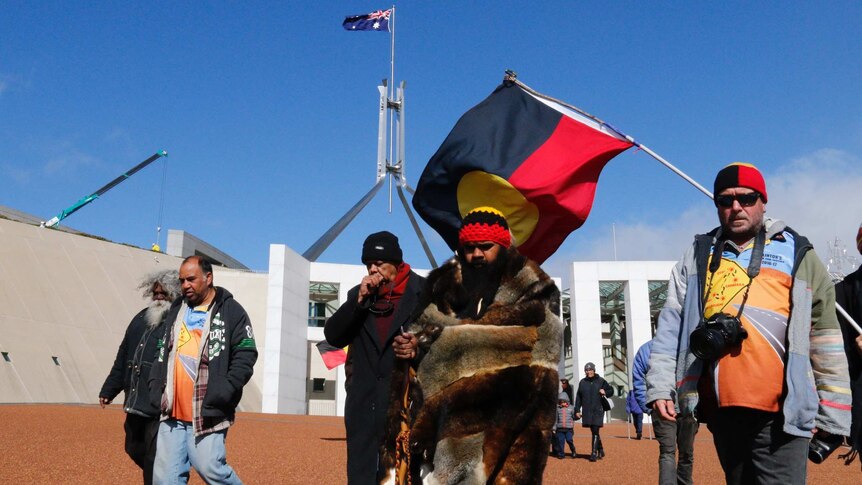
point(378, 20)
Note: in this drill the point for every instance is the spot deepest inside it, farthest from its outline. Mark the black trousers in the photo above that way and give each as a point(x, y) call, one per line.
point(754, 449)
point(141, 434)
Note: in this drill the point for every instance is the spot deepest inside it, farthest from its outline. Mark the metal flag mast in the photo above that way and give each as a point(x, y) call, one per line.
point(390, 122)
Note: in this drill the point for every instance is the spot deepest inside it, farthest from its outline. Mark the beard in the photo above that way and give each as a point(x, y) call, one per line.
point(481, 282)
point(156, 312)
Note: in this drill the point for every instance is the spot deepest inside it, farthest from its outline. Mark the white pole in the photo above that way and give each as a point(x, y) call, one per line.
point(674, 169)
point(390, 97)
point(512, 77)
point(614, 228)
point(392, 50)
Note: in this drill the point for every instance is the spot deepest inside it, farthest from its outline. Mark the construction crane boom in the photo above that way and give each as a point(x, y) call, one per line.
point(95, 195)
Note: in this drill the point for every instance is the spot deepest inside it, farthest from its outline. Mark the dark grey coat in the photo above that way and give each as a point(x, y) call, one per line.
point(131, 369)
point(588, 402)
point(368, 384)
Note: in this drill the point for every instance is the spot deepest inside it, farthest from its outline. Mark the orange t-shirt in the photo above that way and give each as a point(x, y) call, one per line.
point(752, 375)
point(187, 360)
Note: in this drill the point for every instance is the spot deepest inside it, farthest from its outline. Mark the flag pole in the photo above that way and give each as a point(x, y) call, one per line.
point(390, 98)
point(392, 51)
point(670, 166)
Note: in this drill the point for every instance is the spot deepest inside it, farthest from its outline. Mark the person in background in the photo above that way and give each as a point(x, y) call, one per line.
point(131, 369)
point(636, 412)
point(565, 426)
point(589, 409)
point(848, 294)
point(567, 388)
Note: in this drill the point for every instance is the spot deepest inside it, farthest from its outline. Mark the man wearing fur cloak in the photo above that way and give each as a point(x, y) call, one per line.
point(490, 335)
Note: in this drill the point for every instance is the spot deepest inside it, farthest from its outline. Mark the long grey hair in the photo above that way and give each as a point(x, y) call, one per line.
point(169, 280)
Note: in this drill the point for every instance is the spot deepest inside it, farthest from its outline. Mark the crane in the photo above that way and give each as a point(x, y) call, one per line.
point(90, 198)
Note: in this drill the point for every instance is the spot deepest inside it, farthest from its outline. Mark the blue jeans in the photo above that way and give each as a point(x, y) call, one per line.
point(564, 435)
point(178, 449)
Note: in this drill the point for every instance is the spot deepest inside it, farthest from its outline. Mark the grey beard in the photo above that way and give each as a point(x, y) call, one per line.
point(156, 311)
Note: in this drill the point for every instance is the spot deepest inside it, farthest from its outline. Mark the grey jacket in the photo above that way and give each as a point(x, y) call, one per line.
point(817, 390)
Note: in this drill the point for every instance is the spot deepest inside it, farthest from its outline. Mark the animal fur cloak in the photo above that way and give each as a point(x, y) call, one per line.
point(488, 386)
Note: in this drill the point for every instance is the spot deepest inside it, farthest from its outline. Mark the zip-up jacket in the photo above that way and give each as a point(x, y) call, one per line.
point(565, 417)
point(816, 383)
point(131, 369)
point(227, 347)
point(639, 370)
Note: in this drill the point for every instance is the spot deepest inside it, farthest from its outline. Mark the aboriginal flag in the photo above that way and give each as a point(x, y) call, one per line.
point(531, 158)
point(332, 356)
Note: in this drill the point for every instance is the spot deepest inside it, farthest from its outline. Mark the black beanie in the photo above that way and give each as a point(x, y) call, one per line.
point(381, 246)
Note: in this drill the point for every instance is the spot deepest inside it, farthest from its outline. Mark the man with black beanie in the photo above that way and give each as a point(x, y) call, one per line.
point(369, 321)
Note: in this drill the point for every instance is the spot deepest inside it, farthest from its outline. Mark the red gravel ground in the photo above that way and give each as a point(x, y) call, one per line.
point(84, 444)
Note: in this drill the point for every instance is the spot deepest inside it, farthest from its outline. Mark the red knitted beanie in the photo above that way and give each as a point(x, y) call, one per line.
point(485, 224)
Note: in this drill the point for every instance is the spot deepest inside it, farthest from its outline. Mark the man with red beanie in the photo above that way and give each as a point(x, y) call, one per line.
point(490, 330)
point(369, 321)
point(748, 340)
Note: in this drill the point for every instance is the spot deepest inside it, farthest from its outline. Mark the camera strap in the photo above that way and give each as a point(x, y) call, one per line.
point(753, 264)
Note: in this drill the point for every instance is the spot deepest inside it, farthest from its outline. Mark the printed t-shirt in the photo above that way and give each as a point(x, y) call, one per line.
point(752, 375)
point(187, 360)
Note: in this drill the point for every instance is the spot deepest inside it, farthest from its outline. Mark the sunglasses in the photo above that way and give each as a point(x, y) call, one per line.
point(745, 200)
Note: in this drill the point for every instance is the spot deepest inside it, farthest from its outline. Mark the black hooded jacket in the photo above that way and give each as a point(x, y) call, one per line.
point(131, 369)
point(231, 355)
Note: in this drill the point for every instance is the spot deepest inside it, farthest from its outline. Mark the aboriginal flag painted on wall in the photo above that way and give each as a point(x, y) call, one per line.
point(535, 160)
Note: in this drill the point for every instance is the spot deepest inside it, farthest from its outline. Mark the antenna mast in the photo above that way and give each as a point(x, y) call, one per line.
point(390, 122)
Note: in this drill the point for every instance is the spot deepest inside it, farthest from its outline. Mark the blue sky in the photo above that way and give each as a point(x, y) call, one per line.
point(268, 112)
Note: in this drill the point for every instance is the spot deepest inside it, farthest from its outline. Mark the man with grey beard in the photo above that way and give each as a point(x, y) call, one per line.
point(132, 368)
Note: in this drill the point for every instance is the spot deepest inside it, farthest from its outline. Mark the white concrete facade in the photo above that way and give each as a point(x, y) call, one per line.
point(586, 305)
point(285, 353)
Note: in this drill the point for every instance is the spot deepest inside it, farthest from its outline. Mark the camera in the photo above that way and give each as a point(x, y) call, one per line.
point(822, 445)
point(713, 336)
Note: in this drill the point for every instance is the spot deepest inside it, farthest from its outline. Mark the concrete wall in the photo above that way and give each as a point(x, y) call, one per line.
point(586, 309)
point(347, 276)
point(182, 244)
point(71, 297)
point(286, 351)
